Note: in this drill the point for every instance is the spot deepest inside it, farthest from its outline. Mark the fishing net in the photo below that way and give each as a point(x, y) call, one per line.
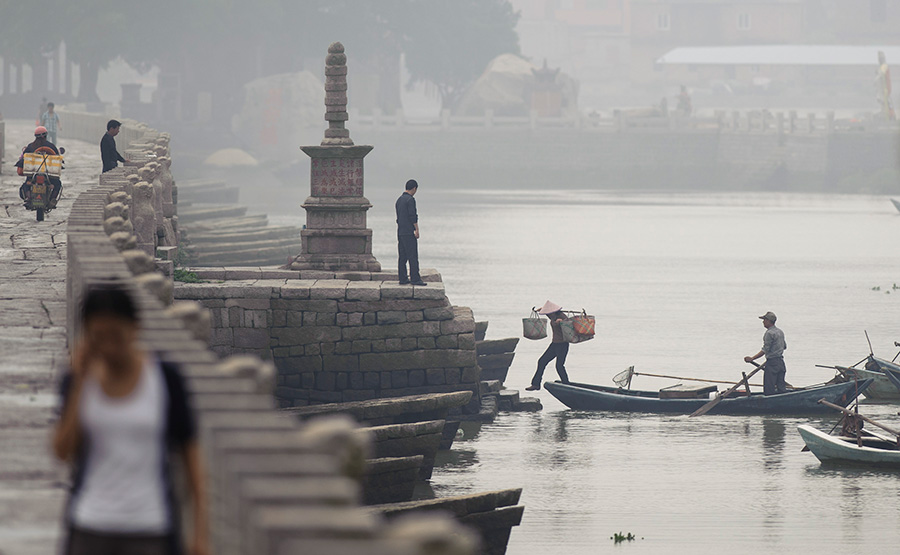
point(623, 378)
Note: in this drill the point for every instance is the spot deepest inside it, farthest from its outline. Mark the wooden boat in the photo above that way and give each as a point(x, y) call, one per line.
point(880, 371)
point(581, 396)
point(876, 450)
point(896, 203)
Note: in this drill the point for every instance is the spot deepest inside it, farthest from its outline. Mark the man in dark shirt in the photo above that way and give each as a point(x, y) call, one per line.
point(408, 235)
point(108, 152)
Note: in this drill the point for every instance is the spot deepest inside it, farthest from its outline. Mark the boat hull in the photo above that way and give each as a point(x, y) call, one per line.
point(886, 386)
point(896, 204)
point(830, 449)
point(798, 402)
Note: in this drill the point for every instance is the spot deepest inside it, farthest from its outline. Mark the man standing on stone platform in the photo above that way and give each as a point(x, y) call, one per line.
point(108, 151)
point(773, 349)
point(408, 235)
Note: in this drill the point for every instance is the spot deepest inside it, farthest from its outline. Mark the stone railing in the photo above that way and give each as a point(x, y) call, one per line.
point(634, 120)
point(302, 496)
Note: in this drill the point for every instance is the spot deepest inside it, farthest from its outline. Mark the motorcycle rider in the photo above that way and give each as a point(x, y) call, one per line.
point(40, 140)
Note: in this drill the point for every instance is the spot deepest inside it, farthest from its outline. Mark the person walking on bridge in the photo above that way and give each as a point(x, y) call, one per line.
point(108, 152)
point(50, 120)
point(773, 348)
point(408, 235)
point(125, 419)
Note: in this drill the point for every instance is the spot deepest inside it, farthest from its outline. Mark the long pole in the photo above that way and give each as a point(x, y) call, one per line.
point(851, 413)
point(715, 401)
point(691, 379)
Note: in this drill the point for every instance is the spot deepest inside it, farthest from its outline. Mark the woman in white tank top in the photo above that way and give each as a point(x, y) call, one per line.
point(122, 412)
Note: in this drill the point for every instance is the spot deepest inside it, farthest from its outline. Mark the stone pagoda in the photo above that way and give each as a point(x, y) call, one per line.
point(336, 237)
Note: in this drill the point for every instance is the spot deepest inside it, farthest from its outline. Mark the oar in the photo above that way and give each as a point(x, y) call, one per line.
point(851, 413)
point(691, 379)
point(710, 405)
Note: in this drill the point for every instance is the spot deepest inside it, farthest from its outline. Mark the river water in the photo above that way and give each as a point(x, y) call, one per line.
point(676, 282)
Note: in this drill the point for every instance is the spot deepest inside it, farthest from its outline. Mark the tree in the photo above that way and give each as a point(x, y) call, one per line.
point(96, 32)
point(450, 43)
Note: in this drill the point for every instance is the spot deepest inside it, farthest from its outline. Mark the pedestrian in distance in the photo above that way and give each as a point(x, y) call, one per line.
point(558, 348)
point(773, 349)
point(408, 235)
point(108, 152)
point(50, 120)
point(41, 109)
point(125, 415)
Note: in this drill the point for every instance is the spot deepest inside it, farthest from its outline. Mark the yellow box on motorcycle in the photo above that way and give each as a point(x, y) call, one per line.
point(50, 164)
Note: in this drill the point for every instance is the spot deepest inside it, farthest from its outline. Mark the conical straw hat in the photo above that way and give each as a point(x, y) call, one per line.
point(549, 308)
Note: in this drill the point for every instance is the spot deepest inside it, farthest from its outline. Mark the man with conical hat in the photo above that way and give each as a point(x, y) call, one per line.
point(773, 349)
point(558, 348)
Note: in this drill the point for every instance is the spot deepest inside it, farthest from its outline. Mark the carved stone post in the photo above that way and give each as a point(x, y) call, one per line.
point(336, 237)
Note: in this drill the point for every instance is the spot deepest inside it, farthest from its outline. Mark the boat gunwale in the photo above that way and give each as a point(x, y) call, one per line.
point(600, 398)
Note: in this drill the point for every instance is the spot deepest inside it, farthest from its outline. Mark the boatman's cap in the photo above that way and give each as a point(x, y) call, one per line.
point(770, 316)
point(549, 308)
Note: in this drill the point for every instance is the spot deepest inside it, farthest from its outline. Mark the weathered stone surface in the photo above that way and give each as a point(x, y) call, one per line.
point(123, 240)
point(396, 291)
point(446, 342)
point(194, 317)
point(491, 362)
point(466, 341)
point(434, 291)
point(306, 335)
point(117, 224)
point(158, 286)
point(363, 291)
point(138, 262)
point(496, 346)
point(439, 313)
point(391, 317)
point(329, 289)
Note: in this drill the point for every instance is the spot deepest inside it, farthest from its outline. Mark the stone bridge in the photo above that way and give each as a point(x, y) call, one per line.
point(276, 483)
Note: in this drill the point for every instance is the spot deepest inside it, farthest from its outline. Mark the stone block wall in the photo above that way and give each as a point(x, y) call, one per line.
point(337, 340)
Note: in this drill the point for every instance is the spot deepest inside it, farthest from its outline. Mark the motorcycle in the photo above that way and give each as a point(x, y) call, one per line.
point(42, 188)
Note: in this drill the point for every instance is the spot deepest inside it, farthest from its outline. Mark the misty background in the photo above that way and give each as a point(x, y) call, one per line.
point(244, 74)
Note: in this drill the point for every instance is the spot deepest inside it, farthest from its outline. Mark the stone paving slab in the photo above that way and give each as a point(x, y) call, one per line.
point(33, 347)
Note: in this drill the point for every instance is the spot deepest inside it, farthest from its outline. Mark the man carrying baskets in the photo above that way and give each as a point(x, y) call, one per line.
point(558, 348)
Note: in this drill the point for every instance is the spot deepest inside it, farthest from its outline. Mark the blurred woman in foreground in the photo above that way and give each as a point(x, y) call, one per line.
point(123, 413)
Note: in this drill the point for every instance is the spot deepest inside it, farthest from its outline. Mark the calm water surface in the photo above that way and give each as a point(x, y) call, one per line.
point(676, 283)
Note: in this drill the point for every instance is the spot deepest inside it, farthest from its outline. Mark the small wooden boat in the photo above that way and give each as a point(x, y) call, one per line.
point(879, 370)
point(896, 203)
point(876, 449)
point(580, 396)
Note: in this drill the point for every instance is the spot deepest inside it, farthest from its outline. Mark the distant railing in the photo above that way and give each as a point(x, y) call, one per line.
point(752, 121)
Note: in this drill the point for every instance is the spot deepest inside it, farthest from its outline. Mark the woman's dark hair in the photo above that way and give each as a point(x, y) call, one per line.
point(108, 300)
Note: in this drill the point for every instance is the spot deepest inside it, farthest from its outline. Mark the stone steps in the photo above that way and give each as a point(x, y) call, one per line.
point(231, 236)
point(255, 221)
point(210, 211)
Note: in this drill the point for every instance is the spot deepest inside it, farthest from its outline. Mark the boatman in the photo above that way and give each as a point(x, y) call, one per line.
point(773, 349)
